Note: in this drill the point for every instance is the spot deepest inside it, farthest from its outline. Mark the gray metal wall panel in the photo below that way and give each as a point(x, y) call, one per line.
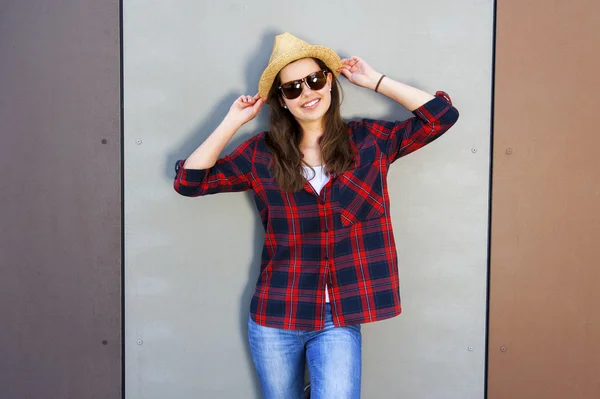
point(60, 213)
point(191, 264)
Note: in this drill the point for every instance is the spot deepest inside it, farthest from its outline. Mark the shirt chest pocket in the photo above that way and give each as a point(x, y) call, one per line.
point(360, 193)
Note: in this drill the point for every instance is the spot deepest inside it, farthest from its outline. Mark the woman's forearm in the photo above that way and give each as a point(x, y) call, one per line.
point(409, 97)
point(358, 72)
point(206, 155)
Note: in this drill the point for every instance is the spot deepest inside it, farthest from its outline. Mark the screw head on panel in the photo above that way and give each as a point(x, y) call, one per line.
point(139, 342)
point(470, 349)
point(138, 141)
point(503, 349)
point(104, 141)
point(473, 150)
point(509, 151)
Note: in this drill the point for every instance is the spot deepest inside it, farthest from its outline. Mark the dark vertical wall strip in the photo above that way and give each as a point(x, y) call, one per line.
point(60, 199)
point(122, 194)
point(490, 196)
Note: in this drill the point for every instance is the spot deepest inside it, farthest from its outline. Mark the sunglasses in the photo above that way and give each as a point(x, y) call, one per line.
point(314, 81)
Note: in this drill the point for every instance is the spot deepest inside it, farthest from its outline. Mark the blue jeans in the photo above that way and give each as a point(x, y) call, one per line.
point(333, 356)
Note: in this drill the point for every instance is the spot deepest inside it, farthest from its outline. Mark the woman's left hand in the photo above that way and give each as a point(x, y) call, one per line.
point(358, 72)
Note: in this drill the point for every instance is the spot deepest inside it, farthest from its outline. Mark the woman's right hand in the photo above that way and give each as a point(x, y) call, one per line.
point(245, 108)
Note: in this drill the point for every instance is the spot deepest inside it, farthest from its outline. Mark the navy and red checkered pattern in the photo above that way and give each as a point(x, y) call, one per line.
point(341, 237)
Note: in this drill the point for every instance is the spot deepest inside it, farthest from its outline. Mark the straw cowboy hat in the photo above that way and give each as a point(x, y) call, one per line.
point(288, 48)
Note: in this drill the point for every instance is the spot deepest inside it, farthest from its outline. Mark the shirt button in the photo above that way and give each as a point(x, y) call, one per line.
point(326, 258)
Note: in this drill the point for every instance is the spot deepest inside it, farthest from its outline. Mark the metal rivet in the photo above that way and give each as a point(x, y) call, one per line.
point(138, 141)
point(139, 342)
point(470, 349)
point(509, 151)
point(104, 342)
point(503, 348)
point(104, 141)
point(473, 150)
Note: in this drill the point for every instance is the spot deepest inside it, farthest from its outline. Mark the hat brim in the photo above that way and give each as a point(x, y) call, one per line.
point(328, 56)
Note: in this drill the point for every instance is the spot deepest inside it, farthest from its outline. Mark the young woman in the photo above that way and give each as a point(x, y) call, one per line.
point(329, 260)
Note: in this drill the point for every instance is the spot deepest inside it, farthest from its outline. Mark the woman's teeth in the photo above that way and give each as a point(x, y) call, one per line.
point(310, 104)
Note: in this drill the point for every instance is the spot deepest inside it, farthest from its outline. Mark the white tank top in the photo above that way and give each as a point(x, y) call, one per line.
point(317, 178)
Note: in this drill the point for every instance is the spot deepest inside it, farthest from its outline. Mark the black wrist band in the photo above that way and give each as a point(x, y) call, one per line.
point(378, 83)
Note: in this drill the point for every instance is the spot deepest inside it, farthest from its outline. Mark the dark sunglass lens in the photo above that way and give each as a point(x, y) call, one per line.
point(317, 80)
point(292, 90)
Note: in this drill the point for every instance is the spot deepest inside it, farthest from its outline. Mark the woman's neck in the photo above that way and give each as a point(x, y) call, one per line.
point(310, 146)
point(311, 134)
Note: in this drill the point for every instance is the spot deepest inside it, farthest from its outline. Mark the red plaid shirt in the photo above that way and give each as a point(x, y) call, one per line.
point(341, 237)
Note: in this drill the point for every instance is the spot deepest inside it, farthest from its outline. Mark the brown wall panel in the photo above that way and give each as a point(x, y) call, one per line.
point(545, 251)
point(60, 235)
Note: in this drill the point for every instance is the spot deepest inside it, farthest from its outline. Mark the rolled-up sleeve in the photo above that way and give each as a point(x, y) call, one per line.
point(430, 121)
point(230, 173)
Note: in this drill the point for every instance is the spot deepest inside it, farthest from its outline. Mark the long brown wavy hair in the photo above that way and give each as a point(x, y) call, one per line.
point(284, 136)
